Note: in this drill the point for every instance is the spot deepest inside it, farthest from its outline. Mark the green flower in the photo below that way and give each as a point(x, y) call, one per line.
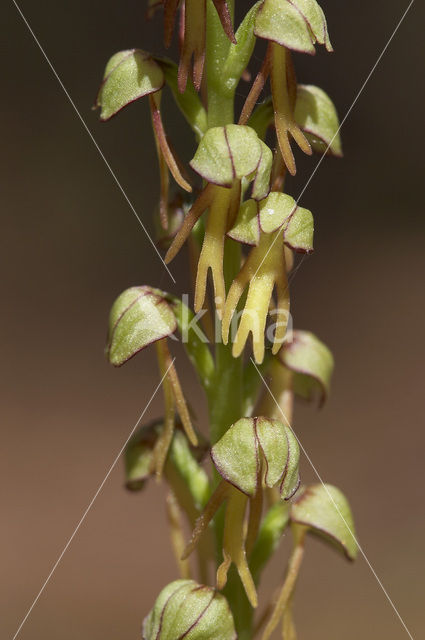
point(225, 156)
point(269, 225)
point(130, 75)
point(287, 25)
point(141, 316)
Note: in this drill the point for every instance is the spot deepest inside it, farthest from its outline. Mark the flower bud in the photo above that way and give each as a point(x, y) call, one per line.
point(312, 364)
point(186, 609)
point(325, 511)
point(139, 317)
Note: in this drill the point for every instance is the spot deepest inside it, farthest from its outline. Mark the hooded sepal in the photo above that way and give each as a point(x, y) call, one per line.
point(247, 226)
point(316, 115)
point(312, 364)
point(325, 511)
point(295, 24)
point(256, 450)
point(129, 75)
point(139, 317)
point(230, 153)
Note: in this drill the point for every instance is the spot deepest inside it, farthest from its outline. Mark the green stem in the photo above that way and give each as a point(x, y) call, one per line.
point(220, 104)
point(243, 613)
point(225, 397)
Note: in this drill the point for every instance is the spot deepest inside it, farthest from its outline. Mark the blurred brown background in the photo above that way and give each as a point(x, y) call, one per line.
point(71, 244)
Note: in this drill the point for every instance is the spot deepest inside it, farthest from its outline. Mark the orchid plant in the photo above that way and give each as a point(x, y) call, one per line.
point(230, 209)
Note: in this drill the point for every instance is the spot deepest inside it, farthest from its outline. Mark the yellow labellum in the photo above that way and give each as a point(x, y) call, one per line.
point(264, 268)
point(234, 545)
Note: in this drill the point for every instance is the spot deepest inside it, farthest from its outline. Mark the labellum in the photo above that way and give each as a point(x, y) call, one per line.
point(263, 270)
point(269, 225)
point(193, 39)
